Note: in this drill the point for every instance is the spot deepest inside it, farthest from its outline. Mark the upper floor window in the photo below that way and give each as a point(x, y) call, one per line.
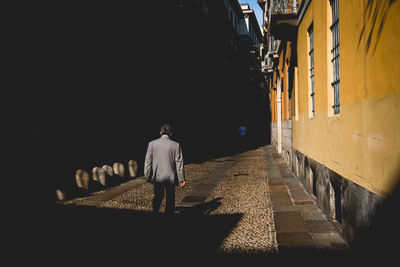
point(335, 55)
point(311, 55)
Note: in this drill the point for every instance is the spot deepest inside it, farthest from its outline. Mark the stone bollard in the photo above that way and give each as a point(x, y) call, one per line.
point(82, 179)
point(60, 194)
point(109, 174)
point(133, 168)
point(95, 174)
point(118, 169)
point(101, 176)
point(108, 170)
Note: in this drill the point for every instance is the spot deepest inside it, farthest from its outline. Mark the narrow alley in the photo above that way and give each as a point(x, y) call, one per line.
point(272, 124)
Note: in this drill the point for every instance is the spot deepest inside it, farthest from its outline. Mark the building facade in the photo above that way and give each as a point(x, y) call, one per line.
point(343, 102)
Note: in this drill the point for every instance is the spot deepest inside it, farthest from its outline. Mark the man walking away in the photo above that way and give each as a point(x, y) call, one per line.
point(164, 161)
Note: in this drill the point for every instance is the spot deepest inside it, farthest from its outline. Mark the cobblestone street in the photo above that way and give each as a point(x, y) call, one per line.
point(246, 205)
point(242, 190)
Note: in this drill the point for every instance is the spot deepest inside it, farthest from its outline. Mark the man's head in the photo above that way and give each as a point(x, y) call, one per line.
point(166, 129)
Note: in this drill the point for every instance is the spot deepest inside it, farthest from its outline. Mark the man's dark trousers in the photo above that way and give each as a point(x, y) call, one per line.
point(159, 190)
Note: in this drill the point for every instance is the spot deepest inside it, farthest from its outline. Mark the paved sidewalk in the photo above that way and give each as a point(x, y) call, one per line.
point(299, 223)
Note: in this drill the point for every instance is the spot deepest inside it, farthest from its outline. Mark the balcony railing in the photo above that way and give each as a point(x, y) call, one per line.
point(268, 63)
point(284, 7)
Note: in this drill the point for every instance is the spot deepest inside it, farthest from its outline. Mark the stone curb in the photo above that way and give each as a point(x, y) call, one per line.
point(299, 223)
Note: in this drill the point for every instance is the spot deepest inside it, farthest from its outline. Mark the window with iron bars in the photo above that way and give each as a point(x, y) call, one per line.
point(284, 6)
point(273, 44)
point(335, 55)
point(311, 54)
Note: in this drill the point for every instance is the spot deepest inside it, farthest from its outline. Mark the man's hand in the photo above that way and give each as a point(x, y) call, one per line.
point(182, 184)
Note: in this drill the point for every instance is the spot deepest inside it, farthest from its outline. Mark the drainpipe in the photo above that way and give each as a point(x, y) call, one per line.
point(279, 113)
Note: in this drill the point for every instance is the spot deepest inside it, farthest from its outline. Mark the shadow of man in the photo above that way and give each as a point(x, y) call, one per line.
point(202, 208)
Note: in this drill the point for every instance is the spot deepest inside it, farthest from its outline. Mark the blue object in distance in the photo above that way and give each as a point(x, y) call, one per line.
point(242, 130)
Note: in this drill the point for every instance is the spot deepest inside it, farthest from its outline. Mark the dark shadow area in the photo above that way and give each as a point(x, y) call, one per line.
point(203, 208)
point(378, 243)
point(84, 236)
point(90, 83)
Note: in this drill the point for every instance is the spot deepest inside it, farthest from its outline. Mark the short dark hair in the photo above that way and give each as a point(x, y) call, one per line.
point(166, 129)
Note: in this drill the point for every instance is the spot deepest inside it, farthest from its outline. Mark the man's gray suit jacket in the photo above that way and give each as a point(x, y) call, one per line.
point(165, 158)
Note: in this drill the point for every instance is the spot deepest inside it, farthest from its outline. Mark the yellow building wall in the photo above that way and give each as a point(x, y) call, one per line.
point(362, 143)
point(283, 68)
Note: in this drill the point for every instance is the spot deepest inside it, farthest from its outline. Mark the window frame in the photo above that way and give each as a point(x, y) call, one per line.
point(310, 32)
point(335, 52)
